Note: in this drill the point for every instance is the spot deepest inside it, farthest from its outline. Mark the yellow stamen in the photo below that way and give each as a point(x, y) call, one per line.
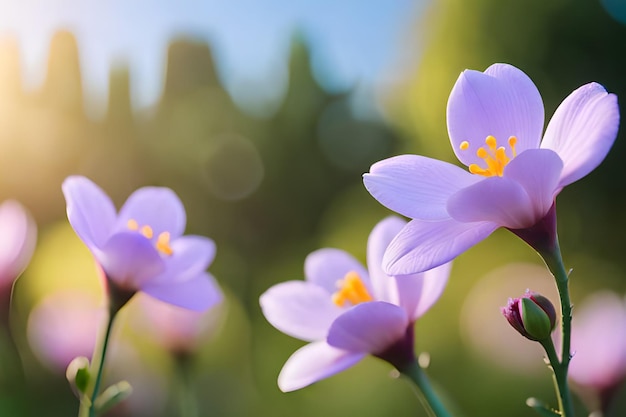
point(132, 224)
point(147, 231)
point(352, 290)
point(495, 157)
point(512, 143)
point(163, 243)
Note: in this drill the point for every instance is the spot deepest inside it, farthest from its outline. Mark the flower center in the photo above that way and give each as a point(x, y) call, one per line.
point(495, 157)
point(351, 289)
point(162, 243)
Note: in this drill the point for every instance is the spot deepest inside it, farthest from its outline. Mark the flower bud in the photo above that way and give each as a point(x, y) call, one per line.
point(78, 375)
point(532, 315)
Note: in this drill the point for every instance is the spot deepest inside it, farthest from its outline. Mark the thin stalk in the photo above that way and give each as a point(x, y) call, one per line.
point(87, 404)
point(433, 405)
point(187, 401)
point(554, 261)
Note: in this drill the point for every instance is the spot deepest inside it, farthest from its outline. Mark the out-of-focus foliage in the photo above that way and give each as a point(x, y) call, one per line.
point(270, 190)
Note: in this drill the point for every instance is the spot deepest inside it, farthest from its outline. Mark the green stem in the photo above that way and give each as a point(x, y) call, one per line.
point(87, 404)
point(187, 404)
point(426, 393)
point(554, 261)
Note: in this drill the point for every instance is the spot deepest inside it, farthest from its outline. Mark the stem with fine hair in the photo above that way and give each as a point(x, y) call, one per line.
point(554, 261)
point(433, 405)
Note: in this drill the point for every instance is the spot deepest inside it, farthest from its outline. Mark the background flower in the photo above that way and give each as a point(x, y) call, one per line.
point(64, 325)
point(17, 241)
point(176, 329)
point(598, 365)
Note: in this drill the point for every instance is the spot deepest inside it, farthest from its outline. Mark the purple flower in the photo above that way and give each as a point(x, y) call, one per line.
point(598, 365)
point(141, 248)
point(64, 325)
point(347, 311)
point(17, 240)
point(495, 122)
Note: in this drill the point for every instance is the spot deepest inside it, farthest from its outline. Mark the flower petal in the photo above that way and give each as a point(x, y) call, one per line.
point(130, 260)
point(191, 255)
point(424, 245)
point(299, 309)
point(602, 317)
point(381, 236)
point(89, 210)
point(198, 293)
point(415, 186)
point(538, 171)
point(368, 327)
point(583, 130)
point(500, 200)
point(17, 241)
point(500, 102)
point(157, 207)
point(314, 362)
point(418, 292)
point(325, 267)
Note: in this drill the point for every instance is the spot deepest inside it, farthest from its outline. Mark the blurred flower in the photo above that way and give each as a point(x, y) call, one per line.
point(17, 241)
point(142, 247)
point(532, 315)
point(348, 312)
point(178, 330)
point(598, 365)
point(495, 121)
point(64, 325)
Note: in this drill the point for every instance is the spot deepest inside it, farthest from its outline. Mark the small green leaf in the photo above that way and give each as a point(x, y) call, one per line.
point(82, 379)
point(542, 408)
point(112, 396)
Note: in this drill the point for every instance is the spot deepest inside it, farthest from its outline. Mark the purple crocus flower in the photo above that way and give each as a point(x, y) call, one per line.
point(495, 122)
point(347, 311)
point(141, 248)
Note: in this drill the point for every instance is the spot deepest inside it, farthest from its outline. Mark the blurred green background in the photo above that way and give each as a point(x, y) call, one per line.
point(270, 189)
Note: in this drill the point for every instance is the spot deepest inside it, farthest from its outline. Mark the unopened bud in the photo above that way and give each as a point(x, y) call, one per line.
point(77, 374)
point(532, 315)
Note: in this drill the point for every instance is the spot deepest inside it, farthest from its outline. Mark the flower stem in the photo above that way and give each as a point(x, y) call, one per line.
point(554, 261)
point(87, 405)
point(187, 403)
point(425, 391)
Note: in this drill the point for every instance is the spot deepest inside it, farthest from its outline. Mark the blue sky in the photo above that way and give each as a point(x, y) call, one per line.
point(354, 41)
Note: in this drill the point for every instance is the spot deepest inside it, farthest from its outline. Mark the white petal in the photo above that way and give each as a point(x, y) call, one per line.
point(583, 130)
point(299, 309)
point(415, 186)
point(313, 363)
